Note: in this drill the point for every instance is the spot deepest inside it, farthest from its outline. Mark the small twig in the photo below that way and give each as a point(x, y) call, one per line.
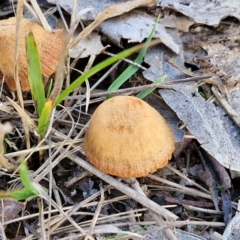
point(186, 178)
point(230, 111)
point(69, 213)
point(44, 147)
point(167, 232)
point(167, 85)
point(128, 61)
point(204, 210)
point(97, 212)
point(2, 232)
point(189, 191)
point(73, 180)
point(123, 188)
point(41, 217)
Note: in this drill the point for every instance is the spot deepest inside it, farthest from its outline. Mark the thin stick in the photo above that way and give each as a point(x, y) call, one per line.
point(167, 232)
point(123, 188)
point(230, 111)
point(167, 85)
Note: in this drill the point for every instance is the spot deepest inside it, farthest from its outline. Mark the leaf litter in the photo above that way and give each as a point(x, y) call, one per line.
point(210, 126)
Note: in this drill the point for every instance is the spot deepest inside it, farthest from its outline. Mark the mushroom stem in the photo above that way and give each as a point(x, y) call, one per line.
point(124, 189)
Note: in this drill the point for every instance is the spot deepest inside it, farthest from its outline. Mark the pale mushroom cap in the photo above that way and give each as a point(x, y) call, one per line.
point(128, 138)
point(49, 46)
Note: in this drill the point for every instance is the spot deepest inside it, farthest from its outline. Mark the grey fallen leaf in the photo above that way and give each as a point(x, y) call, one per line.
point(96, 7)
point(211, 126)
point(204, 11)
point(91, 45)
point(232, 231)
point(203, 120)
point(9, 208)
point(157, 58)
point(226, 59)
point(180, 23)
point(168, 114)
point(136, 26)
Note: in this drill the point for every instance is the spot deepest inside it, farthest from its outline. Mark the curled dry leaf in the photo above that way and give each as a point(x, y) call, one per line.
point(4, 129)
point(49, 46)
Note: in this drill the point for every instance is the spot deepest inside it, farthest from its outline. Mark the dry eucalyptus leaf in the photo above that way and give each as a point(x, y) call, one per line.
point(49, 47)
point(157, 58)
point(87, 10)
point(226, 60)
point(110, 12)
point(207, 123)
point(232, 231)
point(204, 11)
point(91, 45)
point(136, 26)
point(168, 114)
point(4, 163)
point(180, 23)
point(9, 208)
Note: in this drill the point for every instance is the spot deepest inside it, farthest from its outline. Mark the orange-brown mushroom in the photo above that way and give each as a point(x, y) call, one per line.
point(49, 46)
point(128, 138)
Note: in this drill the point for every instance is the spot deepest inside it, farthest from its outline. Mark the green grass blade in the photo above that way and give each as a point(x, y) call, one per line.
point(21, 194)
point(146, 92)
point(45, 118)
point(28, 191)
point(35, 73)
point(98, 68)
point(25, 178)
point(133, 68)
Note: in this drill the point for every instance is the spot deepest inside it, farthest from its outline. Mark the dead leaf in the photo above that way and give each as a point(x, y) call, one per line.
point(226, 60)
point(9, 208)
point(49, 46)
point(204, 11)
point(232, 231)
point(110, 12)
point(204, 121)
point(181, 23)
point(91, 45)
point(136, 26)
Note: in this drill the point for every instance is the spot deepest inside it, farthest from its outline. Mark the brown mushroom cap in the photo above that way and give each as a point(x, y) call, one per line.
point(49, 46)
point(128, 138)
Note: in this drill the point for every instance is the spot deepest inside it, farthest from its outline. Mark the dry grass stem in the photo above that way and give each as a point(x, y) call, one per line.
point(227, 107)
point(123, 188)
point(187, 190)
point(167, 232)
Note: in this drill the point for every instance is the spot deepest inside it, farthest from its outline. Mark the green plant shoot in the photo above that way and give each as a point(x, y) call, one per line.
point(25, 178)
point(35, 73)
point(98, 68)
point(25, 193)
point(45, 117)
point(146, 92)
point(133, 68)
